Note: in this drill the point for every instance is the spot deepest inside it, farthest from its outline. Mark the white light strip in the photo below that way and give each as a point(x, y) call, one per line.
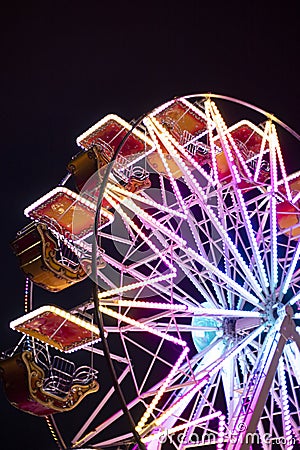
point(211, 143)
point(190, 178)
point(62, 190)
point(228, 139)
point(296, 198)
point(281, 163)
point(147, 281)
point(59, 312)
point(217, 365)
point(190, 393)
point(58, 190)
point(286, 284)
point(150, 219)
point(160, 108)
point(142, 326)
point(273, 237)
point(294, 299)
point(207, 266)
point(154, 137)
point(285, 409)
point(142, 199)
point(172, 144)
point(249, 124)
point(120, 121)
point(198, 311)
point(262, 149)
point(273, 163)
point(160, 392)
point(252, 240)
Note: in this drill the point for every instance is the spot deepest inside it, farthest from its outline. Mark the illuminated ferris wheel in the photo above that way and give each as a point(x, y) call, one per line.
point(198, 275)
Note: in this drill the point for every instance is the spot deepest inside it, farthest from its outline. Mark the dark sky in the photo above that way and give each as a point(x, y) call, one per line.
point(65, 64)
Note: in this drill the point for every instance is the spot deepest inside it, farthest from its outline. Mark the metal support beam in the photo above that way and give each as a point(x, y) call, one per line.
point(254, 397)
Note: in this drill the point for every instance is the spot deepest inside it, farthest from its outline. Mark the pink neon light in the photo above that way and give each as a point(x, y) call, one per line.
point(161, 390)
point(140, 325)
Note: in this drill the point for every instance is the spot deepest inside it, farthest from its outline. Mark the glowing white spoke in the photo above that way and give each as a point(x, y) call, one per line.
point(286, 283)
point(211, 142)
point(161, 391)
point(99, 407)
point(210, 312)
point(252, 240)
point(193, 184)
point(222, 276)
point(227, 139)
point(281, 163)
point(143, 199)
point(287, 427)
point(262, 149)
point(273, 236)
point(176, 190)
point(140, 325)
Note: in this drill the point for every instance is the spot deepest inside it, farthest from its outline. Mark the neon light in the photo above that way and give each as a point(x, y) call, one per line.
point(110, 312)
point(262, 148)
point(120, 121)
point(171, 145)
point(292, 266)
point(160, 392)
point(199, 311)
point(145, 200)
point(199, 385)
point(166, 165)
point(273, 226)
point(57, 311)
point(285, 402)
point(281, 163)
point(216, 222)
point(211, 142)
point(227, 139)
point(252, 238)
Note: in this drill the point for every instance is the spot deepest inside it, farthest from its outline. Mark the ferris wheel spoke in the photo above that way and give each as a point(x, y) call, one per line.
point(184, 396)
point(194, 186)
point(101, 404)
point(205, 401)
point(290, 272)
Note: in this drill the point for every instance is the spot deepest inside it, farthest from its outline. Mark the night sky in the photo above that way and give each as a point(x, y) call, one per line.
point(66, 64)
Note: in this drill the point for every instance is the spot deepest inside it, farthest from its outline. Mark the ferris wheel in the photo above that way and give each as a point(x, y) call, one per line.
point(198, 275)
